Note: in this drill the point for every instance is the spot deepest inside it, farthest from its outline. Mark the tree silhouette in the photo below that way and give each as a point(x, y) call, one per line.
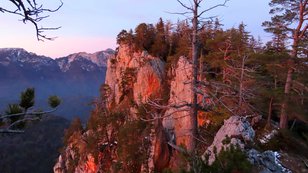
point(17, 115)
point(33, 12)
point(27, 99)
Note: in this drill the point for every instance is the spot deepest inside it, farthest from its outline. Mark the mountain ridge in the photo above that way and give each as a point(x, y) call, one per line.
point(21, 55)
point(77, 82)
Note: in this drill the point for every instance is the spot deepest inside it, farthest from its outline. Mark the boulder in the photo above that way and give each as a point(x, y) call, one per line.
point(268, 161)
point(237, 129)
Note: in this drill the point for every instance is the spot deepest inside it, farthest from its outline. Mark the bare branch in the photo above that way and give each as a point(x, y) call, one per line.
point(9, 128)
point(185, 14)
point(185, 6)
point(31, 12)
point(27, 113)
point(211, 8)
point(22, 120)
point(303, 32)
point(11, 131)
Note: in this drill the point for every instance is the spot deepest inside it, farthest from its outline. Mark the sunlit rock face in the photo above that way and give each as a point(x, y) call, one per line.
point(149, 81)
point(72, 159)
point(237, 129)
point(178, 119)
point(148, 74)
point(86, 166)
point(133, 76)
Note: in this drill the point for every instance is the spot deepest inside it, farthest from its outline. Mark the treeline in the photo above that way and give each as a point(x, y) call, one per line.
point(253, 73)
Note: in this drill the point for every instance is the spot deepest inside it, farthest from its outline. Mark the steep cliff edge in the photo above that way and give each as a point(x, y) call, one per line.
point(142, 123)
point(177, 120)
point(132, 79)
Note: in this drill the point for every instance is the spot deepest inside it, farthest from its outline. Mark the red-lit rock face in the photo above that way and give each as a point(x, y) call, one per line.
point(180, 94)
point(149, 81)
point(90, 165)
point(149, 73)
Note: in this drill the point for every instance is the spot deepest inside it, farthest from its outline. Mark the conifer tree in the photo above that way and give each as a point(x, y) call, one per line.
point(144, 36)
point(279, 30)
point(19, 114)
point(27, 98)
point(160, 45)
point(292, 15)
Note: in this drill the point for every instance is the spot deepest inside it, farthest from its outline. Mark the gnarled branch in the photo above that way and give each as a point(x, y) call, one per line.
point(32, 12)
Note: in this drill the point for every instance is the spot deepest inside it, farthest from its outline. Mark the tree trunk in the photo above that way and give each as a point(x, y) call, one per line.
point(195, 62)
point(283, 124)
point(298, 33)
point(269, 116)
point(241, 83)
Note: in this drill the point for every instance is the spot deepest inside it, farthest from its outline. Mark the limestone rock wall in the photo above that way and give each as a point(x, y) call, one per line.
point(149, 74)
point(177, 119)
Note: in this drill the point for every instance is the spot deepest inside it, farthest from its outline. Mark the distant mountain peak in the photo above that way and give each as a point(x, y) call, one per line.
point(21, 56)
point(85, 61)
point(99, 58)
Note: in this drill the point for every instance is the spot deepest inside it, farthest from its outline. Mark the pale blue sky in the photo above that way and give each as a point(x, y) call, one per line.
point(92, 25)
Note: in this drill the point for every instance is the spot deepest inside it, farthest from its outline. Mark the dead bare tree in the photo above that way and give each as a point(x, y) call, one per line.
point(193, 9)
point(33, 12)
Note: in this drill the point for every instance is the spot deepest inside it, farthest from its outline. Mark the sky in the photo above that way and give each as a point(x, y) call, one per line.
point(93, 25)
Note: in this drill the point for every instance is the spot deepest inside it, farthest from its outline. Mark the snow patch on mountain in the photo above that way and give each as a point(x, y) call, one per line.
point(86, 61)
point(98, 58)
point(19, 55)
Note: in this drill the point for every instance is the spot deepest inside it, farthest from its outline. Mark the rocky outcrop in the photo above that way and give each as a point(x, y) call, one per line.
point(236, 131)
point(177, 120)
point(71, 159)
point(268, 161)
point(131, 77)
point(148, 74)
point(65, 163)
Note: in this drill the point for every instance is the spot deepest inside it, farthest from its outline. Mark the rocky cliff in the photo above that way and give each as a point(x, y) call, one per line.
point(142, 122)
point(131, 77)
point(141, 72)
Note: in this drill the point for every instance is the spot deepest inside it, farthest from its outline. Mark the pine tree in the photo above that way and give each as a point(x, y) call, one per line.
point(279, 30)
point(160, 46)
point(27, 98)
point(144, 36)
point(20, 113)
point(292, 15)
